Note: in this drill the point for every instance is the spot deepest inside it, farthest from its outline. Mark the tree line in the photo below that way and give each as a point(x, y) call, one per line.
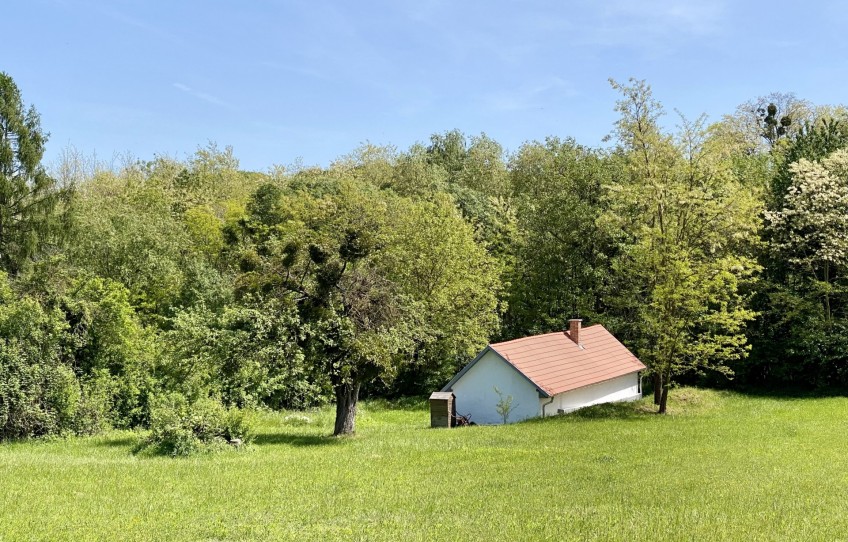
point(165, 291)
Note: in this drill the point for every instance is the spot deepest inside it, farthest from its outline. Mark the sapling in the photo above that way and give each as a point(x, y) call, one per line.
point(504, 405)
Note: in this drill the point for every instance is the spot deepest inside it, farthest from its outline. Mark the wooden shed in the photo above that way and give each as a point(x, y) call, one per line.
point(442, 409)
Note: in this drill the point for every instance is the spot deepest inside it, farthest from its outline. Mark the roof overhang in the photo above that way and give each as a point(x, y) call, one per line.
point(569, 390)
point(460, 374)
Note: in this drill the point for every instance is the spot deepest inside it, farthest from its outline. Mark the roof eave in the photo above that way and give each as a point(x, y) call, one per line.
point(600, 381)
point(461, 373)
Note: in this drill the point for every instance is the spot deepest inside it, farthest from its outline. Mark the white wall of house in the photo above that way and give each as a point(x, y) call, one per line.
point(475, 391)
point(622, 388)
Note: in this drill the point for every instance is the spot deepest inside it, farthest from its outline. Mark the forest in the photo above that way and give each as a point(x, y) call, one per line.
point(180, 295)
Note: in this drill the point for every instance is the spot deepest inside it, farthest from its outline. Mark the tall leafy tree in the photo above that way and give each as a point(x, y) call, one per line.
point(767, 120)
point(682, 221)
point(811, 229)
point(562, 253)
point(455, 284)
point(800, 336)
point(28, 195)
point(320, 255)
point(812, 141)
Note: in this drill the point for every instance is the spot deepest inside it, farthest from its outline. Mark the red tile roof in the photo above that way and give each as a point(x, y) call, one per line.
point(556, 364)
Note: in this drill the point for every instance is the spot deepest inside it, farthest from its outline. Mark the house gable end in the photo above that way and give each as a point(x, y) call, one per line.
point(460, 374)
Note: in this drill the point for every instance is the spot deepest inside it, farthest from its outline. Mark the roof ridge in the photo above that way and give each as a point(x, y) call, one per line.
point(527, 338)
point(561, 332)
point(552, 363)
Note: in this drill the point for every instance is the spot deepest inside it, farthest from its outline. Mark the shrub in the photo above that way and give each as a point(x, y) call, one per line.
point(93, 413)
point(39, 393)
point(239, 424)
point(179, 427)
point(62, 398)
point(111, 347)
point(248, 355)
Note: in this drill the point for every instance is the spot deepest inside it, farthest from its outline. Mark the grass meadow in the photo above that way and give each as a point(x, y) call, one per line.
point(721, 466)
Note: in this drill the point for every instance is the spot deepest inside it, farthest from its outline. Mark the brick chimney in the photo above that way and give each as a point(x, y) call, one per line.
point(574, 326)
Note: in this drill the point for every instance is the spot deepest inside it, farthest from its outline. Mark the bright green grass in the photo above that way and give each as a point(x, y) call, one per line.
point(720, 467)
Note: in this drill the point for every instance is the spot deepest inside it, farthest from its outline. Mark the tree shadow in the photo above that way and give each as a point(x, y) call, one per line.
point(266, 439)
point(790, 393)
point(604, 411)
point(407, 404)
point(616, 411)
point(122, 442)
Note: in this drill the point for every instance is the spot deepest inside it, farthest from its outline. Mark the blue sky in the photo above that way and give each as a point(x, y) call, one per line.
point(279, 80)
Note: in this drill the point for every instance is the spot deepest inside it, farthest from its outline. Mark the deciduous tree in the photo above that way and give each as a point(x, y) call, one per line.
point(683, 221)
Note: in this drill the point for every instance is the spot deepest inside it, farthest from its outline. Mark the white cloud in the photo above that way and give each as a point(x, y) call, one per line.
point(209, 98)
point(652, 25)
point(532, 96)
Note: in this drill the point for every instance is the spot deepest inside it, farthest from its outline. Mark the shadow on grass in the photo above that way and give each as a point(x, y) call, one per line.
point(605, 411)
point(408, 404)
point(123, 442)
point(617, 411)
point(264, 439)
point(791, 393)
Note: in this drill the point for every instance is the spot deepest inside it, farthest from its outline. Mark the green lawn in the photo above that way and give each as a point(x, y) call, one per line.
point(720, 467)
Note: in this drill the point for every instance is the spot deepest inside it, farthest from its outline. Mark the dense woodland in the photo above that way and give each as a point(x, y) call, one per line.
point(178, 295)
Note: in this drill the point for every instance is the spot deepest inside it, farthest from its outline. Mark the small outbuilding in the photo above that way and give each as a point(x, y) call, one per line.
point(545, 375)
point(442, 409)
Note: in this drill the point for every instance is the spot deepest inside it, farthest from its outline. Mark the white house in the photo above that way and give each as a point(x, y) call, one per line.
point(547, 374)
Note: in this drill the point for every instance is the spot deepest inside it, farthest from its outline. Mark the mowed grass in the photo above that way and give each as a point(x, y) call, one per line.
point(722, 466)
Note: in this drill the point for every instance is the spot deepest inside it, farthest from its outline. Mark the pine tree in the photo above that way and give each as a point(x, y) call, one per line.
point(28, 195)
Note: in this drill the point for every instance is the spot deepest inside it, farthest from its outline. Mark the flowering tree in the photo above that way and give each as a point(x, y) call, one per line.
point(811, 230)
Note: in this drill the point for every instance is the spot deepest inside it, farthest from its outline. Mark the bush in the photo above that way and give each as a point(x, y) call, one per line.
point(240, 424)
point(93, 413)
point(248, 355)
point(72, 362)
point(179, 427)
point(62, 397)
point(39, 393)
point(111, 347)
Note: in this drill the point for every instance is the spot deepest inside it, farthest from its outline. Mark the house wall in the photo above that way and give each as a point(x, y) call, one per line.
point(622, 388)
point(475, 391)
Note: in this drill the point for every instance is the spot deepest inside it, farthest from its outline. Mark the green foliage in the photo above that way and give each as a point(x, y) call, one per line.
point(72, 363)
point(124, 231)
point(28, 195)
point(319, 254)
point(774, 127)
point(453, 283)
point(111, 348)
point(685, 226)
point(179, 427)
point(800, 337)
point(248, 355)
point(38, 392)
point(376, 279)
point(562, 254)
point(94, 411)
point(811, 229)
point(504, 405)
point(204, 228)
point(814, 141)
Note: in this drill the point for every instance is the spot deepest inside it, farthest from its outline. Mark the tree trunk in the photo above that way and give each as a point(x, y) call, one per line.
point(347, 395)
point(827, 294)
point(658, 384)
point(664, 398)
